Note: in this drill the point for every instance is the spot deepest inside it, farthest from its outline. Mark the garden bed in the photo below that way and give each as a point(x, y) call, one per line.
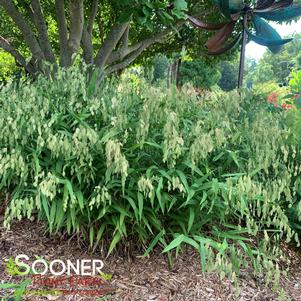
point(137, 278)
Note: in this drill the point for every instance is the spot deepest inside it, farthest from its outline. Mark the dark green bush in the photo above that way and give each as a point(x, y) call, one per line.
point(161, 64)
point(199, 73)
point(229, 75)
point(159, 166)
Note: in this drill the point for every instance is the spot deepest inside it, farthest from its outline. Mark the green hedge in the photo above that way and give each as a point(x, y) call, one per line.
point(159, 167)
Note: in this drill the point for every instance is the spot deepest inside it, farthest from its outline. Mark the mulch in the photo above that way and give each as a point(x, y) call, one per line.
point(137, 278)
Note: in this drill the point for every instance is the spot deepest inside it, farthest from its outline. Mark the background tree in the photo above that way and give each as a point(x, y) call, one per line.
point(199, 73)
point(277, 67)
point(161, 64)
point(108, 35)
point(229, 75)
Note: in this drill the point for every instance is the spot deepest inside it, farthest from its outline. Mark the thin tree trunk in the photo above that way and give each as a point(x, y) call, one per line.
point(65, 57)
point(178, 72)
point(43, 31)
point(76, 25)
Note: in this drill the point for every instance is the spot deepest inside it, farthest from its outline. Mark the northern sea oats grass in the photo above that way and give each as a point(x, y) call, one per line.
point(168, 168)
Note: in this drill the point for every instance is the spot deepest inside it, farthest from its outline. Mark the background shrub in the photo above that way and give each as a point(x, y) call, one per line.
point(199, 73)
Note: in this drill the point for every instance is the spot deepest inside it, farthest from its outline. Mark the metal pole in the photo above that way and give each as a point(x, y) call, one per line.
point(242, 59)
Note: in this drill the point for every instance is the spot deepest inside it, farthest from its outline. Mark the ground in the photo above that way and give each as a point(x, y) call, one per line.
point(137, 278)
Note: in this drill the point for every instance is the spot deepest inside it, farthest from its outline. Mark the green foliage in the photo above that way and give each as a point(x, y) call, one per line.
point(199, 73)
point(19, 289)
point(267, 88)
point(293, 121)
point(7, 66)
point(293, 97)
point(277, 67)
point(161, 64)
point(229, 75)
point(262, 73)
point(162, 167)
point(146, 13)
point(295, 82)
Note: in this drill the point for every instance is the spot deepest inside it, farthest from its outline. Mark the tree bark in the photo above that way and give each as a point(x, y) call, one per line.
point(76, 25)
point(6, 46)
point(130, 59)
point(109, 44)
point(131, 53)
point(93, 15)
point(27, 33)
point(87, 45)
point(43, 31)
point(65, 57)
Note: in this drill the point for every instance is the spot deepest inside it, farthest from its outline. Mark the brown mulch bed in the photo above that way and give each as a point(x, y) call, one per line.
point(138, 278)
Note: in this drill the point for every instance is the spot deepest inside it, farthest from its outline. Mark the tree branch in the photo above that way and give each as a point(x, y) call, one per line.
point(125, 37)
point(131, 53)
point(76, 25)
point(87, 46)
point(109, 44)
point(86, 42)
point(42, 29)
point(130, 59)
point(27, 33)
point(134, 51)
point(93, 15)
point(65, 57)
point(6, 46)
point(120, 54)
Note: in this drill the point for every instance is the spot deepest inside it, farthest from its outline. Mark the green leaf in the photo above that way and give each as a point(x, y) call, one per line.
point(191, 242)
point(115, 241)
point(154, 242)
point(91, 236)
point(140, 204)
point(5, 286)
point(202, 251)
point(181, 5)
point(125, 16)
point(191, 218)
point(175, 243)
point(80, 198)
point(92, 85)
point(52, 214)
point(159, 195)
point(99, 235)
point(183, 180)
point(133, 205)
point(45, 207)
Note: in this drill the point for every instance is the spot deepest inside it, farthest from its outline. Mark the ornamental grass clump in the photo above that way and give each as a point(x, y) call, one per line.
point(160, 166)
